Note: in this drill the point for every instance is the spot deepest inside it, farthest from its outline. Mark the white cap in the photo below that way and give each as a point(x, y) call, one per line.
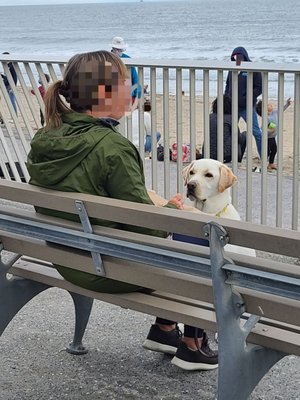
point(118, 43)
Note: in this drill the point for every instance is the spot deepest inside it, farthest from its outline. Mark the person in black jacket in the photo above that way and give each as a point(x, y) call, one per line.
point(227, 132)
point(238, 55)
point(7, 85)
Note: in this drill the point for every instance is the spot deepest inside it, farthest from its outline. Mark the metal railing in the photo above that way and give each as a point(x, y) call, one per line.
point(181, 93)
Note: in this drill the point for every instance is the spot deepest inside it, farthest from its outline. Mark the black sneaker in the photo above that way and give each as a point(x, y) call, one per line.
point(201, 359)
point(161, 341)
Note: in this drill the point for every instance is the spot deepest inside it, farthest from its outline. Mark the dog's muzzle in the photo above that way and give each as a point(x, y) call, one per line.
point(191, 188)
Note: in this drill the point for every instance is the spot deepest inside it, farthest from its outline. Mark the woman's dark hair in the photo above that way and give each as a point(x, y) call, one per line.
point(226, 105)
point(81, 79)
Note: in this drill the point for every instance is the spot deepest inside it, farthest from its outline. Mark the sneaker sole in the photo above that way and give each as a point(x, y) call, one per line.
point(159, 347)
point(188, 366)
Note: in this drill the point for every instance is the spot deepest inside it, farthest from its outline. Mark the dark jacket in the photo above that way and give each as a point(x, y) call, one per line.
point(88, 155)
point(242, 81)
point(213, 140)
point(227, 138)
point(13, 75)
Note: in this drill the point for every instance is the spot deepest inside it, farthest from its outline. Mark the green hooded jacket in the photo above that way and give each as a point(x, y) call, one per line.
point(87, 155)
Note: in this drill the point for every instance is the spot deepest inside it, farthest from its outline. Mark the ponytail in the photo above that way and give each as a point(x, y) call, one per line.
point(54, 106)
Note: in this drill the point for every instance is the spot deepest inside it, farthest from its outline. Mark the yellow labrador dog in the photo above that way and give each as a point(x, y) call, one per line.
point(208, 184)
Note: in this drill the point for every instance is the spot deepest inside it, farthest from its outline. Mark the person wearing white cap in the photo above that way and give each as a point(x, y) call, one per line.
point(118, 46)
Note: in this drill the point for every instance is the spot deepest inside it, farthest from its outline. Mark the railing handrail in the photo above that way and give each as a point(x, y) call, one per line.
point(181, 92)
point(171, 63)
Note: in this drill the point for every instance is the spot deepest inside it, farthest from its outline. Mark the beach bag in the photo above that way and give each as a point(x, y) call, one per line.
point(186, 153)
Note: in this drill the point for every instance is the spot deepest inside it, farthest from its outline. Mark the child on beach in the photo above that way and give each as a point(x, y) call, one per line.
point(80, 150)
point(42, 91)
point(272, 130)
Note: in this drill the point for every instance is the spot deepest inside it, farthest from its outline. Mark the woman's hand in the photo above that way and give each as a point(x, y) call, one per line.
point(177, 201)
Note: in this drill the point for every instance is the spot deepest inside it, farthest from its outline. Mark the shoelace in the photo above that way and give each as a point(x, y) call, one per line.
point(205, 347)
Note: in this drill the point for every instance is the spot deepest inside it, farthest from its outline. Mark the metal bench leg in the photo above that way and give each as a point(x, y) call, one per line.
point(241, 364)
point(83, 307)
point(15, 293)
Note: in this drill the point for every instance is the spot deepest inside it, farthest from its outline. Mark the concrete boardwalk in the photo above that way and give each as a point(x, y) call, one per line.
point(34, 365)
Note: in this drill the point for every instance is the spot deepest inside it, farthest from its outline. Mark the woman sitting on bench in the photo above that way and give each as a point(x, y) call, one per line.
point(80, 150)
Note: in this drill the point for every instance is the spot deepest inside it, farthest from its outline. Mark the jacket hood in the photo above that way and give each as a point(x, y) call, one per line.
point(55, 153)
point(240, 50)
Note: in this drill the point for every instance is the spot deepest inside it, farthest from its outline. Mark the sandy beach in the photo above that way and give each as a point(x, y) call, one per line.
point(287, 123)
point(287, 126)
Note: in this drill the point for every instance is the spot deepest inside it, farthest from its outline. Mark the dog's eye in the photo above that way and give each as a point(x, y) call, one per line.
point(208, 175)
point(192, 172)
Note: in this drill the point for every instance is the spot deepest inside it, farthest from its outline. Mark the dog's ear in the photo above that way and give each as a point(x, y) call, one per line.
point(186, 172)
point(227, 178)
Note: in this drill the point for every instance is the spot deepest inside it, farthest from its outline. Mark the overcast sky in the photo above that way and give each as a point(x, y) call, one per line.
point(36, 2)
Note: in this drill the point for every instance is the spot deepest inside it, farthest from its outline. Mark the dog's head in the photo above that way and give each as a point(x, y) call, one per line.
point(206, 178)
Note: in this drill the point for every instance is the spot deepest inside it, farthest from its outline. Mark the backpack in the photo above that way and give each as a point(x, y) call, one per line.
point(160, 153)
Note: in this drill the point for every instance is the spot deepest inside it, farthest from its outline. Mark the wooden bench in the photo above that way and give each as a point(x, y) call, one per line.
point(253, 303)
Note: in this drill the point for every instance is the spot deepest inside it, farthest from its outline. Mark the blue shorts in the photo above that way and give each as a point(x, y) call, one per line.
point(148, 141)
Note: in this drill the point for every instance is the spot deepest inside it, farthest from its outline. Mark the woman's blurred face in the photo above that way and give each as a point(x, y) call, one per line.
point(114, 98)
point(270, 108)
point(122, 98)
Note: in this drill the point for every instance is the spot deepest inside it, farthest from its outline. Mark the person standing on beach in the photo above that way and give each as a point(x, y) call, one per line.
point(118, 46)
point(7, 85)
point(239, 55)
point(227, 132)
point(80, 150)
point(147, 128)
point(272, 129)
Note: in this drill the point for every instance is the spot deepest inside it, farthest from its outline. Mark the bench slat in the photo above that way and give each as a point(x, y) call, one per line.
point(276, 240)
point(153, 305)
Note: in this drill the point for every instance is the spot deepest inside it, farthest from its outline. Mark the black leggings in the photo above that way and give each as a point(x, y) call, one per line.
point(272, 149)
point(242, 142)
point(189, 331)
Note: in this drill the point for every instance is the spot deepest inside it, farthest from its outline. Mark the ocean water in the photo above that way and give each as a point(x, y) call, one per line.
point(191, 29)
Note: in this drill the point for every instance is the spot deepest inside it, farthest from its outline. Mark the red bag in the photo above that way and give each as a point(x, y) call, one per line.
point(186, 153)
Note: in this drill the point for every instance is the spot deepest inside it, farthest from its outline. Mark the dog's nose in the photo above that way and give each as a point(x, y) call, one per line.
point(191, 186)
